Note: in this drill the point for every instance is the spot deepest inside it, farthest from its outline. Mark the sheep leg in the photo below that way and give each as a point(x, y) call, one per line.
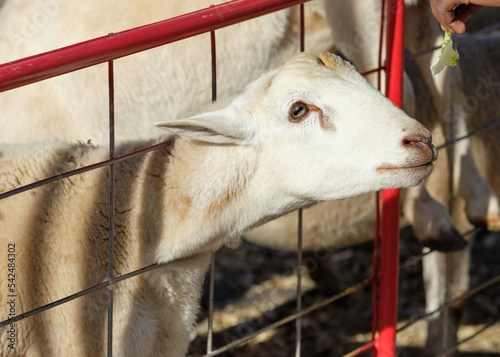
point(432, 225)
point(446, 277)
point(482, 205)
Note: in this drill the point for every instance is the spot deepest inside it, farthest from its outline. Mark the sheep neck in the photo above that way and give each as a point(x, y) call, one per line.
point(214, 194)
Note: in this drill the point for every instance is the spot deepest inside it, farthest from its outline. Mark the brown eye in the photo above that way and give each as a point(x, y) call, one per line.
point(298, 111)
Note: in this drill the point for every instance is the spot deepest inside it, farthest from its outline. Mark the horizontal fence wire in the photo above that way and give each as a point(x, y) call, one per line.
point(447, 352)
point(303, 312)
point(449, 303)
point(84, 292)
point(486, 127)
point(359, 350)
point(417, 258)
point(84, 169)
point(464, 38)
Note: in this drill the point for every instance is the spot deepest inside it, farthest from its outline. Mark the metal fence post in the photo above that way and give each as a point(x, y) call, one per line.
point(389, 246)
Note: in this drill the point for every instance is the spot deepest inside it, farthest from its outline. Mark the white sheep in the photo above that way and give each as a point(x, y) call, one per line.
point(303, 133)
point(74, 107)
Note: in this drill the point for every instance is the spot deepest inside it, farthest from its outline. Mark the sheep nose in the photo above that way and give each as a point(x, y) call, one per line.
point(421, 143)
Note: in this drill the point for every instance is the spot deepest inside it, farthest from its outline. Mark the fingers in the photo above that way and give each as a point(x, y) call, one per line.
point(444, 12)
point(465, 12)
point(456, 26)
point(452, 14)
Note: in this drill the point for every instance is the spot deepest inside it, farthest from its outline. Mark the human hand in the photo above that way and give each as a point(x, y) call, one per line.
point(452, 14)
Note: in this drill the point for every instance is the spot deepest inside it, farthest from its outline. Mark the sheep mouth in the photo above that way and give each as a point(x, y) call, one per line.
point(414, 168)
point(424, 162)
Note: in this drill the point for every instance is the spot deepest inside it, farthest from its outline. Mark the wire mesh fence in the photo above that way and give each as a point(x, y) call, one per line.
point(114, 46)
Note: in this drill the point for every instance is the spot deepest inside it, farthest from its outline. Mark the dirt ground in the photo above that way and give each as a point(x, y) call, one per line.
point(255, 286)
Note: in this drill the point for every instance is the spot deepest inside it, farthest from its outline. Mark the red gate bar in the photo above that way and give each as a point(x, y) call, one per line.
point(88, 53)
point(389, 245)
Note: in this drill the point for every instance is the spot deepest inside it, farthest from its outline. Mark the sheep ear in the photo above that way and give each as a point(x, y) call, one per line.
point(219, 127)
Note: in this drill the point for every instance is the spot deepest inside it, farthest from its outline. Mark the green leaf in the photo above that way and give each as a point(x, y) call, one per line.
point(447, 56)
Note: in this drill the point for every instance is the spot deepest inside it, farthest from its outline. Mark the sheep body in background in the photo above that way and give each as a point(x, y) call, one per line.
point(148, 84)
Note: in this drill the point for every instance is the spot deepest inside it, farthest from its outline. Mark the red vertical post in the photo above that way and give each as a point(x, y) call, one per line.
point(389, 246)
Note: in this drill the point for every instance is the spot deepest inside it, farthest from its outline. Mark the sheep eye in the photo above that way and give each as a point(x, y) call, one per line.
point(298, 111)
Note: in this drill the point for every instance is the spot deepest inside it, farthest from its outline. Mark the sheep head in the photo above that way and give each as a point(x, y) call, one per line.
point(320, 130)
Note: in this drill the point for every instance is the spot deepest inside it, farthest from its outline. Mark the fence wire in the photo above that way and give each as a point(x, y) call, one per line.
point(300, 310)
point(292, 317)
